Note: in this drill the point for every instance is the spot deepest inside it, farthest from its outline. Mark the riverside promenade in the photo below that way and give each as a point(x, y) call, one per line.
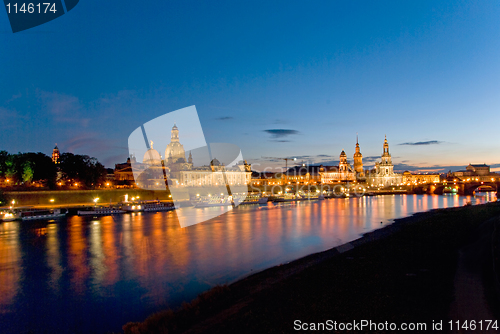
point(414, 271)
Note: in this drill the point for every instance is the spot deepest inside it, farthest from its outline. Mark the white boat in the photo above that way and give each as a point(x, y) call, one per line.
point(253, 199)
point(42, 214)
point(148, 206)
point(99, 211)
point(223, 200)
point(206, 205)
point(211, 201)
point(8, 216)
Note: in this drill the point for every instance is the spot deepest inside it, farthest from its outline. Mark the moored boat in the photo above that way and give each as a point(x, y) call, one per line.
point(10, 215)
point(148, 206)
point(99, 211)
point(43, 214)
point(211, 201)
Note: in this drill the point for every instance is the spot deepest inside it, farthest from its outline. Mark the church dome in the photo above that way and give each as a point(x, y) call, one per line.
point(342, 154)
point(152, 157)
point(174, 150)
point(215, 162)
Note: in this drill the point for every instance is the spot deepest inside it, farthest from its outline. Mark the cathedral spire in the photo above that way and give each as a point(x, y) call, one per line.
point(358, 158)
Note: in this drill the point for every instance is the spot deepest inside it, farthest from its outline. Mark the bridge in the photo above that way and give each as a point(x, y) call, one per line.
point(459, 187)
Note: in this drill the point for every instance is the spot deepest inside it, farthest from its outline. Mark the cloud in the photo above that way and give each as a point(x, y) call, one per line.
point(14, 97)
point(327, 163)
point(224, 118)
point(11, 119)
point(281, 133)
point(93, 144)
point(372, 158)
point(64, 108)
point(418, 143)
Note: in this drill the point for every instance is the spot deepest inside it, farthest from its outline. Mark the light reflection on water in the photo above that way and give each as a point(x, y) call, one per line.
point(93, 275)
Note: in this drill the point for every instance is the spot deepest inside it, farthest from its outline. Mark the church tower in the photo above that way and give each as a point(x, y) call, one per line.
point(343, 165)
point(175, 151)
point(358, 159)
point(55, 155)
point(174, 136)
point(385, 167)
point(386, 157)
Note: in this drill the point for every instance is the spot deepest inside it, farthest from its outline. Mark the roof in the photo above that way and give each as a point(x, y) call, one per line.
point(311, 169)
point(264, 175)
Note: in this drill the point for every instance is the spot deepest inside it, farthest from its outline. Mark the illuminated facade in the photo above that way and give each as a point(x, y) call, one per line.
point(358, 160)
point(175, 150)
point(383, 174)
point(182, 173)
point(479, 173)
point(341, 173)
point(55, 155)
point(409, 178)
point(123, 172)
point(216, 175)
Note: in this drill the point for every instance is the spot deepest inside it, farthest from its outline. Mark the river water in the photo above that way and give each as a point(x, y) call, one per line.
point(92, 275)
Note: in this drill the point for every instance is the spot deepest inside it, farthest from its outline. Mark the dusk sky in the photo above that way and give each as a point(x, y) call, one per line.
point(281, 79)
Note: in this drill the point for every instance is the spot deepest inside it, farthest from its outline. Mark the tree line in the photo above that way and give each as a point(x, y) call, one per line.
point(25, 169)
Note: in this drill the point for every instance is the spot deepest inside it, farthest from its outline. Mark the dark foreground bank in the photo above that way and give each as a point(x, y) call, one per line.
point(402, 274)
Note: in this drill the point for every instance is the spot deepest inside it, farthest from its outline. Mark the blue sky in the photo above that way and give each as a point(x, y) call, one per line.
point(426, 73)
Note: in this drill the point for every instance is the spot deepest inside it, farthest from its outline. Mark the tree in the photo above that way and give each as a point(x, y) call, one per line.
point(27, 172)
point(3, 199)
point(82, 169)
point(28, 167)
point(4, 155)
point(43, 168)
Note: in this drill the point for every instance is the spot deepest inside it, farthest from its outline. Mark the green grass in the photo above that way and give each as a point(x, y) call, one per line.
point(406, 276)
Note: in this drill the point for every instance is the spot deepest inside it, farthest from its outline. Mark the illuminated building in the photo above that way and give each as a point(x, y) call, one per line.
point(175, 150)
point(216, 174)
point(55, 155)
point(383, 174)
point(358, 159)
point(479, 173)
point(151, 172)
point(123, 172)
point(341, 173)
point(409, 178)
point(304, 174)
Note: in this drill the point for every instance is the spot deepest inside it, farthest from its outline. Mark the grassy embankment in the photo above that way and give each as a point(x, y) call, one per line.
point(403, 274)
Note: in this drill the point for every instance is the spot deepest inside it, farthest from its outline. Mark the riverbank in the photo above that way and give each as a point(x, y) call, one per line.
point(402, 273)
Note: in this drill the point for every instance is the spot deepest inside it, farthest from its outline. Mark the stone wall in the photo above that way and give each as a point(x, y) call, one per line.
point(60, 197)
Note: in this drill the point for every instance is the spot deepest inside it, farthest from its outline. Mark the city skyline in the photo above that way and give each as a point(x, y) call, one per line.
point(425, 74)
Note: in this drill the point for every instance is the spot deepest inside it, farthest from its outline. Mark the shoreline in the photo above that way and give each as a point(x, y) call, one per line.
point(231, 302)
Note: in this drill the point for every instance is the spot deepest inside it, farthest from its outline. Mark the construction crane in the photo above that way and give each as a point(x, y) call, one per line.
point(286, 162)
